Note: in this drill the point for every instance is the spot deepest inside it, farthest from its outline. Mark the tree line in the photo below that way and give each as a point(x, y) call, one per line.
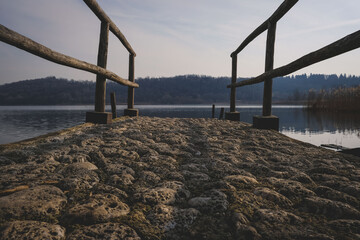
point(186, 89)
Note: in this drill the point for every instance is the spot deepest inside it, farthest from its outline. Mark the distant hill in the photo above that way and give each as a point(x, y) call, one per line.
point(188, 89)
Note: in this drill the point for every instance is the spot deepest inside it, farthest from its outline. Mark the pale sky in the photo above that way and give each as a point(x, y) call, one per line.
point(176, 37)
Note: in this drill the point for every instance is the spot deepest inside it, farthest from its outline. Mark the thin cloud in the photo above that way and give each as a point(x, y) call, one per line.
point(354, 22)
point(181, 36)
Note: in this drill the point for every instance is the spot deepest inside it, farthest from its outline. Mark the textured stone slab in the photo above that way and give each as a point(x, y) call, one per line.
point(273, 196)
point(99, 208)
point(329, 208)
point(178, 179)
point(169, 217)
point(113, 231)
point(79, 176)
point(31, 230)
point(213, 201)
point(165, 193)
point(37, 203)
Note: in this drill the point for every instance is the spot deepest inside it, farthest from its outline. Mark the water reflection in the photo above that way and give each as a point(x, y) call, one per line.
point(332, 121)
point(321, 127)
point(18, 123)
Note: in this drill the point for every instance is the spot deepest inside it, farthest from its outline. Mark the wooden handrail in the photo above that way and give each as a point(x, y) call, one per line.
point(99, 12)
point(346, 44)
point(99, 116)
point(270, 25)
point(282, 10)
point(276, 16)
point(15, 39)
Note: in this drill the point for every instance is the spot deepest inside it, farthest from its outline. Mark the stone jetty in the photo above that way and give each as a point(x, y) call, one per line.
point(169, 178)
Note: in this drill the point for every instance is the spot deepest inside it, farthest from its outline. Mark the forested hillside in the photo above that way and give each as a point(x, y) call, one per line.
point(188, 89)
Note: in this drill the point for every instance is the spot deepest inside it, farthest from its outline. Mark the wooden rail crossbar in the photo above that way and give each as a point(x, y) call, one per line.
point(346, 44)
point(276, 16)
point(267, 120)
point(15, 39)
point(99, 12)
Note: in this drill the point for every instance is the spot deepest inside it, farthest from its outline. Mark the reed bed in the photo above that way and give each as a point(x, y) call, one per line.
point(339, 99)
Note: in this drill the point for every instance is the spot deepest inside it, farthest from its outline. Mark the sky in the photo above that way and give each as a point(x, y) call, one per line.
point(176, 37)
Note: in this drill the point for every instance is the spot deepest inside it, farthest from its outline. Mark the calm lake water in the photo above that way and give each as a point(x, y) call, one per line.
point(22, 122)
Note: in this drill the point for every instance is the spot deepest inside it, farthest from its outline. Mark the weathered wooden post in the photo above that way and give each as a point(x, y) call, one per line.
point(102, 62)
point(267, 120)
point(113, 104)
point(269, 65)
point(100, 116)
point(131, 111)
point(233, 115)
point(221, 113)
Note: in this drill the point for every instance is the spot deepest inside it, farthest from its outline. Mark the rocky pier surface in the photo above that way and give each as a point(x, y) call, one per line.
point(162, 178)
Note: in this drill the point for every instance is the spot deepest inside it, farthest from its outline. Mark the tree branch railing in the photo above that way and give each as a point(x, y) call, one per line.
point(15, 39)
point(94, 6)
point(270, 25)
point(341, 46)
point(275, 17)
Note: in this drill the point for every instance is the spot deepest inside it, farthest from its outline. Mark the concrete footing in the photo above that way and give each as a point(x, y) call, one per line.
point(131, 112)
point(99, 117)
point(266, 122)
point(232, 116)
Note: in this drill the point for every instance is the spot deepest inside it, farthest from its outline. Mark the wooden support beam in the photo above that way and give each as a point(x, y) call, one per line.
point(15, 39)
point(269, 65)
point(221, 116)
point(131, 90)
point(100, 91)
point(346, 44)
point(233, 80)
point(276, 16)
point(113, 104)
point(99, 12)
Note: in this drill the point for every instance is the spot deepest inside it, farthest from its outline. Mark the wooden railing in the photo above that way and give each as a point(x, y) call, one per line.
point(99, 116)
point(343, 45)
